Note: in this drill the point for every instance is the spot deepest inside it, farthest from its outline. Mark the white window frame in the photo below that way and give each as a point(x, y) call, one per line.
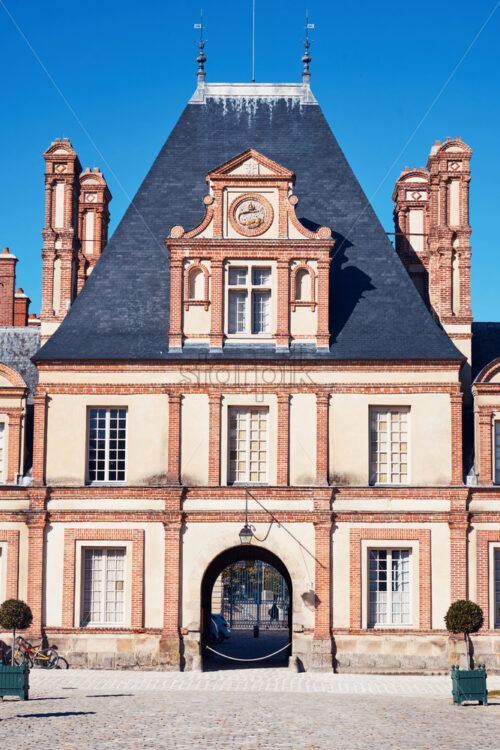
point(494, 624)
point(247, 408)
point(413, 547)
point(107, 409)
point(388, 409)
point(80, 548)
point(249, 289)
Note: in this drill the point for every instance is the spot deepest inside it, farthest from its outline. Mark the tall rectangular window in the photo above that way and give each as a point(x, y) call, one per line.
point(248, 445)
point(497, 452)
point(107, 445)
point(389, 587)
point(496, 574)
point(103, 586)
point(389, 445)
point(2, 441)
point(249, 300)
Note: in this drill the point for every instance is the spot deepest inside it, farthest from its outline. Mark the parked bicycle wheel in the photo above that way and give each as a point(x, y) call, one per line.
point(62, 663)
point(20, 657)
point(51, 660)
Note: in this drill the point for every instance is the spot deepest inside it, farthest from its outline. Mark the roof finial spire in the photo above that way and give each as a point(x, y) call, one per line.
point(306, 58)
point(201, 59)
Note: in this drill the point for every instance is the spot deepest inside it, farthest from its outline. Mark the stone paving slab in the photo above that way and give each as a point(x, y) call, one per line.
point(248, 680)
point(241, 720)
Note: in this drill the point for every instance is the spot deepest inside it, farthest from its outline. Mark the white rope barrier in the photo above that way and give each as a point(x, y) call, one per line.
point(257, 658)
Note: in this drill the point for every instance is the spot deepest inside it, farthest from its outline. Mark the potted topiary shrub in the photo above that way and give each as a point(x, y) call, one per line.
point(469, 684)
point(14, 615)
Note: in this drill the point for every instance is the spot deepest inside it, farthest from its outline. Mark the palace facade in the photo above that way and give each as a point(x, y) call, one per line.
point(250, 340)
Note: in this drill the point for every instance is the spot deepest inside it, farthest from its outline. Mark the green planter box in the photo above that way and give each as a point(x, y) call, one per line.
point(469, 684)
point(15, 681)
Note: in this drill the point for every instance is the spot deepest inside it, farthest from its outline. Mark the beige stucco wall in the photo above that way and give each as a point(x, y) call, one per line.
point(147, 436)
point(302, 439)
point(429, 436)
point(194, 439)
point(202, 542)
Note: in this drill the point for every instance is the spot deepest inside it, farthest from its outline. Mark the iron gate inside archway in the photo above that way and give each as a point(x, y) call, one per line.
point(252, 593)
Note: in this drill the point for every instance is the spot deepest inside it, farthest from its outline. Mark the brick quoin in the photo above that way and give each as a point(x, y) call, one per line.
point(36, 522)
point(459, 528)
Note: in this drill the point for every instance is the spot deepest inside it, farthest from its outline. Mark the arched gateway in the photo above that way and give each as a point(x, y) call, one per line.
point(259, 597)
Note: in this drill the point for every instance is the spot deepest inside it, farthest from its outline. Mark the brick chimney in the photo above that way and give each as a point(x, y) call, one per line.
point(60, 247)
point(7, 286)
point(93, 220)
point(21, 305)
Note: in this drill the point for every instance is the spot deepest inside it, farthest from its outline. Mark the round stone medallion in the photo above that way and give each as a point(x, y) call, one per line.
point(251, 215)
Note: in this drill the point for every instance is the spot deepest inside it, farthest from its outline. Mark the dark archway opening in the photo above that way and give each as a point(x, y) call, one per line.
point(251, 588)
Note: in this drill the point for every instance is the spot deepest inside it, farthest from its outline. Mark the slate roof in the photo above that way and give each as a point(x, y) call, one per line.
point(485, 345)
point(17, 345)
point(123, 310)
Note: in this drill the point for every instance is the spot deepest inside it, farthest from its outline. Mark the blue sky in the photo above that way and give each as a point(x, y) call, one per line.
point(123, 72)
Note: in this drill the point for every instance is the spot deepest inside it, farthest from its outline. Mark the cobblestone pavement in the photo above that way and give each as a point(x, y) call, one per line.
point(268, 709)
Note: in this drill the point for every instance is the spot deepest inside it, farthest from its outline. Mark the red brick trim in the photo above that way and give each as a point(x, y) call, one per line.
point(294, 302)
point(282, 458)
point(459, 527)
point(423, 536)
point(484, 573)
point(71, 536)
point(36, 522)
point(174, 438)
point(214, 438)
point(172, 580)
point(12, 562)
point(188, 300)
point(323, 579)
point(322, 407)
point(211, 382)
point(39, 428)
point(456, 439)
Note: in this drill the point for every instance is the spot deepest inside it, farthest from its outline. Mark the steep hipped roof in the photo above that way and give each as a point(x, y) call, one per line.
point(123, 310)
point(485, 345)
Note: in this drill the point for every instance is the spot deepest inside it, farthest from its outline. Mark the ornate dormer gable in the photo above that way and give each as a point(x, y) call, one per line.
point(250, 272)
point(250, 196)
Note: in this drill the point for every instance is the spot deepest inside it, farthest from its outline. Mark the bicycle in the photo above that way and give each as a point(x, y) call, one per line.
point(27, 653)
